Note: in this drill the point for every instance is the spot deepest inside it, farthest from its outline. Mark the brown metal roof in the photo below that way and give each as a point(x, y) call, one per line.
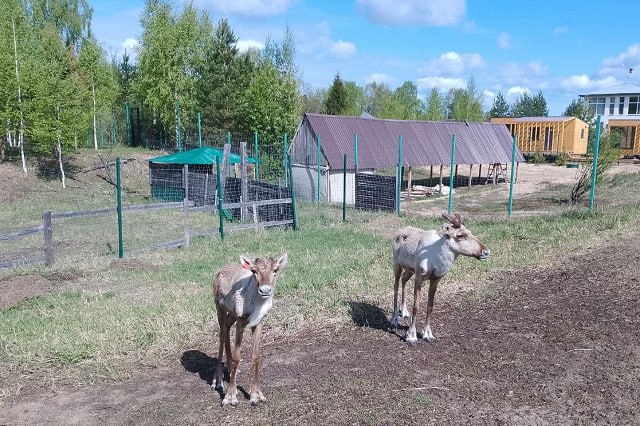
point(425, 143)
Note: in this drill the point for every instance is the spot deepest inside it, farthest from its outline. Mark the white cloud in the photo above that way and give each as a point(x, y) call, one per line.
point(244, 45)
point(443, 84)
point(378, 78)
point(413, 12)
point(248, 8)
point(504, 41)
point(453, 63)
point(130, 44)
point(619, 65)
point(516, 91)
point(531, 73)
point(343, 49)
point(584, 82)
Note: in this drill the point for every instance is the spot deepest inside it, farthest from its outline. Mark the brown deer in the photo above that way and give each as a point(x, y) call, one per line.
point(429, 256)
point(243, 294)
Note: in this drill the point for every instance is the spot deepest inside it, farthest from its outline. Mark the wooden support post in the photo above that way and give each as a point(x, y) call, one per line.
point(430, 173)
point(48, 238)
point(480, 171)
point(470, 176)
point(409, 184)
point(244, 180)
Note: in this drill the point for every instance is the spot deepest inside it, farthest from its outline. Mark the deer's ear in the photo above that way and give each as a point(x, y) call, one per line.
point(282, 260)
point(448, 230)
point(246, 262)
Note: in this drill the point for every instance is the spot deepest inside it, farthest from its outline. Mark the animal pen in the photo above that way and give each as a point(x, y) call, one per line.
point(386, 160)
point(184, 201)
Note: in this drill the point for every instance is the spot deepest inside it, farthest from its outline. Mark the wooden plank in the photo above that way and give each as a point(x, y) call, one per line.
point(25, 261)
point(20, 233)
point(48, 238)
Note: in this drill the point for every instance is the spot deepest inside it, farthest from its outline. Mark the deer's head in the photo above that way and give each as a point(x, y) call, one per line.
point(461, 239)
point(265, 271)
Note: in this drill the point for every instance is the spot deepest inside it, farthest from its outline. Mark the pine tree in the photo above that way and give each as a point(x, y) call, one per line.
point(336, 102)
point(500, 107)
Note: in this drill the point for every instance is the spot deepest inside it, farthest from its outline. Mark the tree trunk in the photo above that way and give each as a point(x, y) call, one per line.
point(95, 131)
point(21, 131)
point(59, 149)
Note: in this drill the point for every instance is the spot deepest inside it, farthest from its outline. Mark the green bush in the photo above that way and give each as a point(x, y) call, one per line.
point(538, 158)
point(562, 159)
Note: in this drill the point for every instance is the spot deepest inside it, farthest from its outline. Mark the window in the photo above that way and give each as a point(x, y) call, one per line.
point(628, 136)
point(612, 104)
point(597, 105)
point(581, 133)
point(621, 106)
point(634, 105)
point(534, 133)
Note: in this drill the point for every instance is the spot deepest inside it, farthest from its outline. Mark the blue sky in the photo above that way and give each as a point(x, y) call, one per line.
point(564, 48)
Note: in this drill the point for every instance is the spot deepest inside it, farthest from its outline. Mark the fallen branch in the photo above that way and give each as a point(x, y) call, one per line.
point(106, 165)
point(421, 388)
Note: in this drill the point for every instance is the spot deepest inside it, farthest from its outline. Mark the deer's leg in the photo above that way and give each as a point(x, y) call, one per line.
point(231, 397)
point(218, 376)
point(395, 319)
point(427, 334)
point(230, 320)
point(411, 336)
point(255, 392)
point(406, 276)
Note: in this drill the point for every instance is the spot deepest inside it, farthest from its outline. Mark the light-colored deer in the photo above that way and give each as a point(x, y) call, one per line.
point(429, 256)
point(243, 294)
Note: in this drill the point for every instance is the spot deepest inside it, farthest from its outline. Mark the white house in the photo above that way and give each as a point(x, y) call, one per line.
point(619, 107)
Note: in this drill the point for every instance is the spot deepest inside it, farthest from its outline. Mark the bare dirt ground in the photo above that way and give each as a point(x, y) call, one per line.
point(555, 346)
point(551, 346)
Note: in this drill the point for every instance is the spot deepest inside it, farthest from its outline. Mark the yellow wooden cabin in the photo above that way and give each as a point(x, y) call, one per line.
point(548, 135)
point(629, 131)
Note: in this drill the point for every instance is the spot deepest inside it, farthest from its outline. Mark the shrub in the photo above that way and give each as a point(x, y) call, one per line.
point(562, 159)
point(538, 158)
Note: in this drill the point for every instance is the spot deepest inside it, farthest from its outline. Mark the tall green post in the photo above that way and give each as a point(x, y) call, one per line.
point(399, 175)
point(293, 195)
point(199, 130)
point(318, 152)
point(594, 167)
point(344, 188)
point(255, 154)
point(119, 209)
point(453, 162)
point(229, 138)
point(220, 197)
point(355, 153)
point(513, 173)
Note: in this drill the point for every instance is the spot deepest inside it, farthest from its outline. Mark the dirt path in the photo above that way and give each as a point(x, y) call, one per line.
point(549, 347)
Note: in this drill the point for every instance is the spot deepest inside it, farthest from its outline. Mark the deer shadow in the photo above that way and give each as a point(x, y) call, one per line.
point(198, 362)
point(368, 315)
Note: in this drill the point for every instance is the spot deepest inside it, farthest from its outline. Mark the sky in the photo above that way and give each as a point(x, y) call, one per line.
point(563, 48)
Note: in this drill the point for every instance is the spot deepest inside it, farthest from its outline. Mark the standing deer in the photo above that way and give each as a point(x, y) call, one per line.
point(243, 294)
point(429, 256)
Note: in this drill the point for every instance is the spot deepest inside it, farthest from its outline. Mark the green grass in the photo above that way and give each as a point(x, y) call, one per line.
point(106, 318)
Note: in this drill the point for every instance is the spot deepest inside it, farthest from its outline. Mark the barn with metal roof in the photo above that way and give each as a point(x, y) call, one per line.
point(424, 143)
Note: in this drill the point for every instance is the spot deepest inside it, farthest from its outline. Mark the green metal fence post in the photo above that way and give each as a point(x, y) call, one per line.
point(318, 167)
point(453, 161)
point(199, 130)
point(355, 153)
point(344, 188)
point(399, 175)
point(293, 195)
point(255, 154)
point(119, 209)
point(513, 173)
point(594, 167)
point(220, 196)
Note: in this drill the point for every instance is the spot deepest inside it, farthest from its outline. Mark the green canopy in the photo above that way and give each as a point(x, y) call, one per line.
point(204, 155)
